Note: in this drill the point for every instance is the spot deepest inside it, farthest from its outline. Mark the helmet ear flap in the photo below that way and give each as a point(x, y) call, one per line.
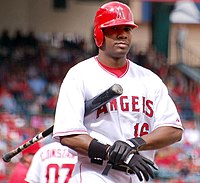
point(98, 36)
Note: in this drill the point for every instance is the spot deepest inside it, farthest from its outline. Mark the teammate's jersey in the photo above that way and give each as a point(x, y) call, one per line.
point(144, 105)
point(53, 163)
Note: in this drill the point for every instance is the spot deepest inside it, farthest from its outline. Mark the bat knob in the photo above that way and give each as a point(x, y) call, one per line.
point(118, 89)
point(6, 157)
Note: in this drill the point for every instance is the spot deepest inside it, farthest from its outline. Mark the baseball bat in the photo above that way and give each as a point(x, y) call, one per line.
point(90, 106)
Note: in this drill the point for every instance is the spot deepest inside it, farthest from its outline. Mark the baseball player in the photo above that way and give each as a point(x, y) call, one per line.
point(53, 163)
point(117, 142)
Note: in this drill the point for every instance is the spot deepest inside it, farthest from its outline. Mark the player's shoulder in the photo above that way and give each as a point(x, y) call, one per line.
point(83, 69)
point(143, 71)
point(89, 62)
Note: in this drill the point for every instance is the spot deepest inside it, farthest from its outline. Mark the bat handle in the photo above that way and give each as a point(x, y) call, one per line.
point(8, 156)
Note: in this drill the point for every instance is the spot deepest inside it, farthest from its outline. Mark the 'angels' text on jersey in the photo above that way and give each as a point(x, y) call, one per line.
point(129, 104)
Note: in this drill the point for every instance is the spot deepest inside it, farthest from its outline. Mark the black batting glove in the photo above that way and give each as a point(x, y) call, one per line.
point(138, 163)
point(98, 150)
point(118, 152)
point(141, 166)
point(137, 142)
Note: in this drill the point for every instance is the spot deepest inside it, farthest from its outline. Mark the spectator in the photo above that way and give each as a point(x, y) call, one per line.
point(31, 40)
point(7, 101)
point(18, 39)
point(31, 45)
point(5, 40)
point(19, 172)
point(5, 44)
point(37, 84)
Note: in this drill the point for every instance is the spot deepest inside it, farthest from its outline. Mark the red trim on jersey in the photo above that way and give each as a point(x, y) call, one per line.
point(70, 132)
point(118, 72)
point(170, 124)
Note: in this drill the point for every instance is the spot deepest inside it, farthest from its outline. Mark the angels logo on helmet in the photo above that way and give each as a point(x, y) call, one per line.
point(120, 13)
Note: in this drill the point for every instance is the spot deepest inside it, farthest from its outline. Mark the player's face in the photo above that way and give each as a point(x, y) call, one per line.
point(118, 40)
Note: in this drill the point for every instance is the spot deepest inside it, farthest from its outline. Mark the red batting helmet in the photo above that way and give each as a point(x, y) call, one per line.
point(32, 149)
point(111, 14)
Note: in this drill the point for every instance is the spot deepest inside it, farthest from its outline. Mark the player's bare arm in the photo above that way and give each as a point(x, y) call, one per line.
point(79, 143)
point(161, 137)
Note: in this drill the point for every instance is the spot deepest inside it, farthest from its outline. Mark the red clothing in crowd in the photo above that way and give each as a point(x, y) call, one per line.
point(18, 174)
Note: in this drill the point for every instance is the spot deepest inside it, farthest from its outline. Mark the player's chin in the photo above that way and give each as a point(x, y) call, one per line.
point(121, 51)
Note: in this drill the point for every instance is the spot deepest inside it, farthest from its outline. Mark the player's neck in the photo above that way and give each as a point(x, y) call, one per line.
point(111, 62)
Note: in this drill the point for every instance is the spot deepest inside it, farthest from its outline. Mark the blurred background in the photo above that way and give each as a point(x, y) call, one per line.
point(41, 40)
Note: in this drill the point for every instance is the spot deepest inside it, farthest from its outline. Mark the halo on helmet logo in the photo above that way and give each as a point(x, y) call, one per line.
point(120, 13)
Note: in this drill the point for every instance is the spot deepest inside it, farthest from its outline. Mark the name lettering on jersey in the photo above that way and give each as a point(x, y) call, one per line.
point(56, 153)
point(129, 104)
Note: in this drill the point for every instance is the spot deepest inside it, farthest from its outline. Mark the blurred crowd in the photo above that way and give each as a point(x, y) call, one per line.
point(31, 73)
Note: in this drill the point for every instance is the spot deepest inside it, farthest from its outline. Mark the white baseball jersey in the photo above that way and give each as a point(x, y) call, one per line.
point(53, 163)
point(144, 106)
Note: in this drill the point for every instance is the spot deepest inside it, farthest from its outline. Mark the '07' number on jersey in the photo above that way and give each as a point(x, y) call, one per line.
point(59, 174)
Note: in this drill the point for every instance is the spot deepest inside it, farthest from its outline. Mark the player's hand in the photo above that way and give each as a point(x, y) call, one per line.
point(118, 152)
point(141, 166)
point(121, 154)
